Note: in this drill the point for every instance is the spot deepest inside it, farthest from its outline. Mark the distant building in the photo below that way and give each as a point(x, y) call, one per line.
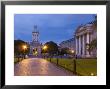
point(68, 44)
point(84, 35)
point(35, 45)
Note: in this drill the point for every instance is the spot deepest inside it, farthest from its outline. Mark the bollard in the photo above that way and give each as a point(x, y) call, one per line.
point(50, 59)
point(74, 64)
point(57, 61)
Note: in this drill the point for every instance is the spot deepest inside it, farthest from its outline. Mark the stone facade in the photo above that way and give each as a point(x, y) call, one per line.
point(35, 45)
point(83, 37)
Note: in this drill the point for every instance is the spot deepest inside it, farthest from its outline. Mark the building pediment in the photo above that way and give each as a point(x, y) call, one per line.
point(84, 29)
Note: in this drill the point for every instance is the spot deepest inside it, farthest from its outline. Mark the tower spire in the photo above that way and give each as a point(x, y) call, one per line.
point(35, 28)
point(35, 34)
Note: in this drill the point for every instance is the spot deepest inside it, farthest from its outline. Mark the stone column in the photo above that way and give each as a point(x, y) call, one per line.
point(79, 46)
point(87, 41)
point(76, 45)
point(83, 43)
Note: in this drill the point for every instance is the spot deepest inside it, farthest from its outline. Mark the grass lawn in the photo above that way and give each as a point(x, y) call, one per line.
point(84, 67)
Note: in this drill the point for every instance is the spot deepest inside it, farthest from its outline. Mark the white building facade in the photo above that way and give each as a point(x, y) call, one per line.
point(84, 35)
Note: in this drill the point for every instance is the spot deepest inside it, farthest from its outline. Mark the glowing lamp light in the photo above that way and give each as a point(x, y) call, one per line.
point(72, 51)
point(24, 46)
point(45, 47)
point(92, 74)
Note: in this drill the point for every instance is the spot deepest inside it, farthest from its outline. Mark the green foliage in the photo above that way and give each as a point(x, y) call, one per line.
point(52, 48)
point(92, 45)
point(64, 51)
point(95, 21)
point(18, 47)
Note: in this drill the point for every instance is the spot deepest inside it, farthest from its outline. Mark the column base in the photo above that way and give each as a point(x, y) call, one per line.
point(88, 56)
point(85, 56)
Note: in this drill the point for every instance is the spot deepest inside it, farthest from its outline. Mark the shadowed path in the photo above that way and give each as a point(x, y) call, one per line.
point(39, 67)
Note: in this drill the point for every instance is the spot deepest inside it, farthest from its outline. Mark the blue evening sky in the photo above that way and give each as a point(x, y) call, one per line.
point(52, 27)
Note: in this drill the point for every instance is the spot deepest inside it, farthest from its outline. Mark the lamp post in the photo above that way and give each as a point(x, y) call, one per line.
point(24, 48)
point(57, 57)
point(74, 63)
point(58, 54)
point(72, 51)
point(45, 48)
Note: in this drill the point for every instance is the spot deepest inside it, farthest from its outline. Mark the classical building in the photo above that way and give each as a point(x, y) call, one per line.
point(84, 35)
point(35, 45)
point(68, 44)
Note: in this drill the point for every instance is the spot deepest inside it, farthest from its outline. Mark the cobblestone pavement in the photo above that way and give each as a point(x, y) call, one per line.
point(39, 67)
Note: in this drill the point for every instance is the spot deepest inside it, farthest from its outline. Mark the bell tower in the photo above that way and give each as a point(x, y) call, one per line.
point(35, 34)
point(35, 46)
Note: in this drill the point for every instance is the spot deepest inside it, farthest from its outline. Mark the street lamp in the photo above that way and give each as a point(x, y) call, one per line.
point(45, 47)
point(72, 51)
point(74, 62)
point(92, 74)
point(24, 47)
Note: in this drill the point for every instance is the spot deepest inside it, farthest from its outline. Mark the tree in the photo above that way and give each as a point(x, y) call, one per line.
point(65, 51)
point(92, 45)
point(18, 47)
point(95, 23)
point(52, 48)
point(95, 20)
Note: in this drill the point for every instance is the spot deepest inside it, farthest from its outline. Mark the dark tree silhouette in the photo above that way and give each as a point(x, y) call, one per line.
point(65, 51)
point(18, 48)
point(52, 48)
